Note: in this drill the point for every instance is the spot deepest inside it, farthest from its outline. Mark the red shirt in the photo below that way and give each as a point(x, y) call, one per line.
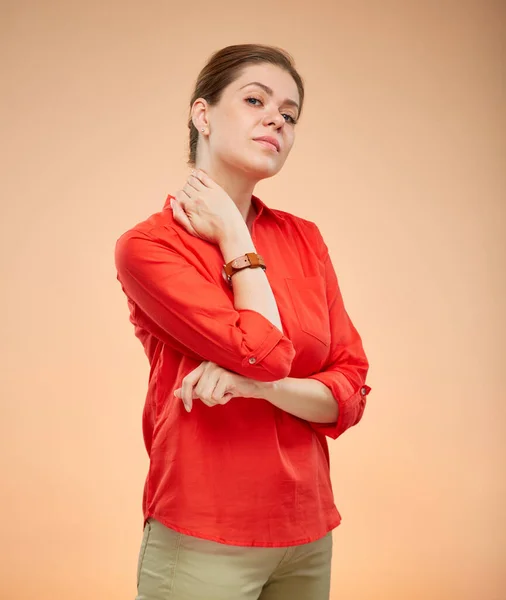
point(245, 473)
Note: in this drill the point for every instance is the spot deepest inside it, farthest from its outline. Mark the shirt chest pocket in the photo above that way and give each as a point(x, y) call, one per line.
point(309, 302)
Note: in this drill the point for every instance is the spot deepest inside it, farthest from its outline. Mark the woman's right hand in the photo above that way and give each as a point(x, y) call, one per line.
point(205, 210)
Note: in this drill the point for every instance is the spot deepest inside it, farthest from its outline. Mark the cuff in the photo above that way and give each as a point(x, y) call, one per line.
point(270, 358)
point(351, 403)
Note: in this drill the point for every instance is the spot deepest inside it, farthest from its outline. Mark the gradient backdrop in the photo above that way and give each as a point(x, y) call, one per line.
point(400, 159)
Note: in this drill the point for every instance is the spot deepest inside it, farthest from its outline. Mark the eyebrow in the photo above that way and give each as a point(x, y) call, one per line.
point(269, 91)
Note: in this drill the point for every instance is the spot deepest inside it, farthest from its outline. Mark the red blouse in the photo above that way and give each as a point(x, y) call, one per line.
point(245, 473)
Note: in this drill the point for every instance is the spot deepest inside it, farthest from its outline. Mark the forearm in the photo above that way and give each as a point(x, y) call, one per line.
point(307, 399)
point(251, 287)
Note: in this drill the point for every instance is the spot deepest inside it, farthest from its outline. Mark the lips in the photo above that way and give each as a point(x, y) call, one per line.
point(269, 141)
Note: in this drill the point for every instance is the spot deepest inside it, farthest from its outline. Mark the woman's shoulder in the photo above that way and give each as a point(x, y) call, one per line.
point(160, 223)
point(305, 226)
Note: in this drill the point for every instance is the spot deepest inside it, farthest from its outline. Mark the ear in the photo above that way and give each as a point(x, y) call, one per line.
point(200, 114)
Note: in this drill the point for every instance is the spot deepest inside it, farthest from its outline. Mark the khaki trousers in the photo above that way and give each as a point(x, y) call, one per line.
point(176, 566)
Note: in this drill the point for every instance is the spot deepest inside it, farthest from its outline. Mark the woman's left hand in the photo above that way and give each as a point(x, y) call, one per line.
point(214, 385)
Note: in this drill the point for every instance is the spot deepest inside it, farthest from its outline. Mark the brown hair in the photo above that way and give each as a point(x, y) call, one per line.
point(225, 66)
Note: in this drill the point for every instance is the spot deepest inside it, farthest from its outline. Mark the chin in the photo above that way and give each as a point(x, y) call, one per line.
point(254, 167)
point(262, 169)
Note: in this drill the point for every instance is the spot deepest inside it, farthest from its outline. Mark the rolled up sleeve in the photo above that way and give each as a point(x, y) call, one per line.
point(181, 305)
point(346, 369)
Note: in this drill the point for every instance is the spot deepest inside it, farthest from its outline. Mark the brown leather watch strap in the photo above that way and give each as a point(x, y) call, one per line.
point(250, 260)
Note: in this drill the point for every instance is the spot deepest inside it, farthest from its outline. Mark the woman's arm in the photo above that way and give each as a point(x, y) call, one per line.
point(205, 210)
point(181, 306)
point(347, 366)
point(304, 398)
point(251, 287)
point(176, 302)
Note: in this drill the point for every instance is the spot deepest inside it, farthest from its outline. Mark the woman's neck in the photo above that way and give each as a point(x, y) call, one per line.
point(239, 189)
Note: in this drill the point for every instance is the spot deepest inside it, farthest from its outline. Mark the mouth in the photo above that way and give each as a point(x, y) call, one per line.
point(268, 142)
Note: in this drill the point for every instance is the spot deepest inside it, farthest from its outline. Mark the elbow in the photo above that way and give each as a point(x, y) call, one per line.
point(264, 352)
point(278, 363)
point(275, 365)
point(350, 406)
point(274, 373)
point(352, 410)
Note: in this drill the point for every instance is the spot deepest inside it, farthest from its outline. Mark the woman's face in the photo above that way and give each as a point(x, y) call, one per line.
point(262, 102)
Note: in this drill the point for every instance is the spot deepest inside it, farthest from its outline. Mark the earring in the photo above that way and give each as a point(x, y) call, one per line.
point(202, 129)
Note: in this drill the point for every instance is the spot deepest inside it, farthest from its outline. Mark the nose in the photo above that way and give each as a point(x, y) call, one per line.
point(273, 117)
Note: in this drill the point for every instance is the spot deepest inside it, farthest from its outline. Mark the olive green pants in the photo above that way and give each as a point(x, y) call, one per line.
point(176, 566)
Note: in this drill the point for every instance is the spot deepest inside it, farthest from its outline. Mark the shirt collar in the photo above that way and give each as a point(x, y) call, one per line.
point(260, 206)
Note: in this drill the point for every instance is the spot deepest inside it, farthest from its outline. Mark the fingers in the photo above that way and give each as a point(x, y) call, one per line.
point(195, 183)
point(209, 383)
point(188, 383)
point(212, 387)
point(220, 389)
point(205, 391)
point(182, 198)
point(179, 214)
point(203, 177)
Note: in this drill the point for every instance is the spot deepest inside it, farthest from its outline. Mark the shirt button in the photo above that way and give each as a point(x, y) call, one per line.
point(363, 391)
point(252, 360)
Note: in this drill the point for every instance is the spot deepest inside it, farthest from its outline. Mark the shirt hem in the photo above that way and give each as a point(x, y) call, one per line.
point(258, 544)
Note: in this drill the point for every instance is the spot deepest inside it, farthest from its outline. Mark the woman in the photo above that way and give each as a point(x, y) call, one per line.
point(254, 360)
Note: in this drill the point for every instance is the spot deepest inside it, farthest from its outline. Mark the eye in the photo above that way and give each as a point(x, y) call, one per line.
point(286, 117)
point(254, 99)
point(290, 119)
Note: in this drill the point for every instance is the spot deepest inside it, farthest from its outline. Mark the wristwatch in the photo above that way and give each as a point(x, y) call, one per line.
point(250, 260)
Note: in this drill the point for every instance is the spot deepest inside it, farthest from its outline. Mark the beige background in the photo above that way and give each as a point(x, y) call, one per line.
point(400, 159)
